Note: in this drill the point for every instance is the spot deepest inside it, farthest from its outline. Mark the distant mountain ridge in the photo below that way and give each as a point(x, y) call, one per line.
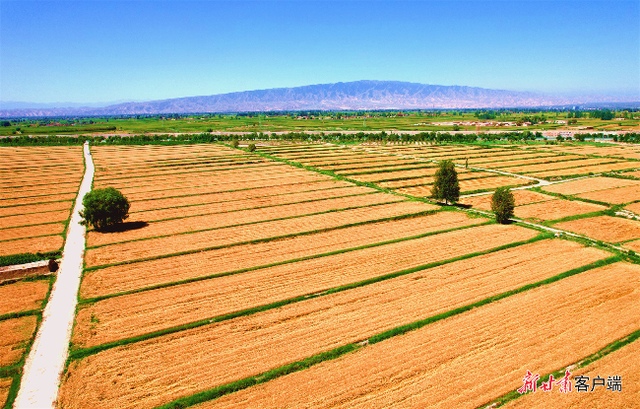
point(338, 96)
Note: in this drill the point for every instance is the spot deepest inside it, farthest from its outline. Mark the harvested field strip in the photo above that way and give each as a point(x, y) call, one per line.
point(506, 160)
point(587, 169)
point(589, 185)
point(605, 228)
point(30, 231)
point(471, 185)
point(635, 207)
point(537, 160)
point(239, 217)
point(23, 296)
point(130, 277)
point(618, 195)
point(31, 245)
point(215, 164)
point(37, 199)
point(557, 165)
point(370, 164)
point(33, 219)
point(389, 176)
point(35, 188)
point(387, 169)
point(5, 387)
point(532, 158)
point(522, 197)
point(18, 193)
point(131, 186)
point(351, 158)
point(403, 370)
point(16, 332)
point(400, 165)
point(233, 195)
point(417, 191)
point(35, 210)
point(17, 184)
point(179, 164)
point(262, 202)
point(556, 209)
point(292, 332)
point(429, 180)
point(115, 178)
point(490, 183)
point(120, 173)
point(126, 252)
point(174, 161)
point(131, 315)
point(161, 194)
point(623, 362)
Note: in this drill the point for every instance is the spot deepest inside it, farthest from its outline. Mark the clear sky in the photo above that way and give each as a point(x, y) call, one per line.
point(103, 51)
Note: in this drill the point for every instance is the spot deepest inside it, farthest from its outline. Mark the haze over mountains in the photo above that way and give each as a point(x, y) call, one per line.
point(339, 96)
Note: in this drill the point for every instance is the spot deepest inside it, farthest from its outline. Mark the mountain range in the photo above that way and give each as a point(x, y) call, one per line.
point(358, 95)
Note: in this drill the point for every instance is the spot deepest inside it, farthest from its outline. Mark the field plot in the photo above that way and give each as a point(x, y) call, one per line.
point(605, 228)
point(135, 314)
point(618, 195)
point(534, 205)
point(585, 185)
point(628, 152)
point(556, 209)
point(23, 296)
point(522, 197)
point(5, 386)
point(624, 362)
point(394, 167)
point(38, 187)
point(249, 345)
point(492, 352)
point(16, 332)
point(139, 275)
point(155, 247)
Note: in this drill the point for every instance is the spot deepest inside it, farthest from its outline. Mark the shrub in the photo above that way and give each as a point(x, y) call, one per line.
point(502, 204)
point(446, 186)
point(104, 208)
point(252, 147)
point(234, 143)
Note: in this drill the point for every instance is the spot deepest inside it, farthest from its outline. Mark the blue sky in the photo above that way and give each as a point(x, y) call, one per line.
point(103, 51)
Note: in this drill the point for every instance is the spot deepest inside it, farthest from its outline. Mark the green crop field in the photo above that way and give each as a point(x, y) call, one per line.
point(325, 121)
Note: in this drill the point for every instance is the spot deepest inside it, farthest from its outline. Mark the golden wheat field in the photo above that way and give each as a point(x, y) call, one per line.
point(320, 275)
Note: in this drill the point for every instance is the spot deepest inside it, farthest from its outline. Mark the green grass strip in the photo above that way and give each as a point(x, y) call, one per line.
point(612, 347)
point(19, 314)
point(340, 351)
point(279, 263)
point(25, 258)
point(78, 353)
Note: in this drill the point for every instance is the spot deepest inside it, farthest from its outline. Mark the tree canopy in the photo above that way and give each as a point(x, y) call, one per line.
point(446, 186)
point(503, 204)
point(104, 208)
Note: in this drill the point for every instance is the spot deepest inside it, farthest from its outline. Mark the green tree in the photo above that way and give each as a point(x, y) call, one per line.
point(502, 204)
point(251, 147)
point(104, 208)
point(446, 186)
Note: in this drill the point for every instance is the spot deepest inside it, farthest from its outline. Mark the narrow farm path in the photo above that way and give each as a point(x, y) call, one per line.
point(45, 363)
